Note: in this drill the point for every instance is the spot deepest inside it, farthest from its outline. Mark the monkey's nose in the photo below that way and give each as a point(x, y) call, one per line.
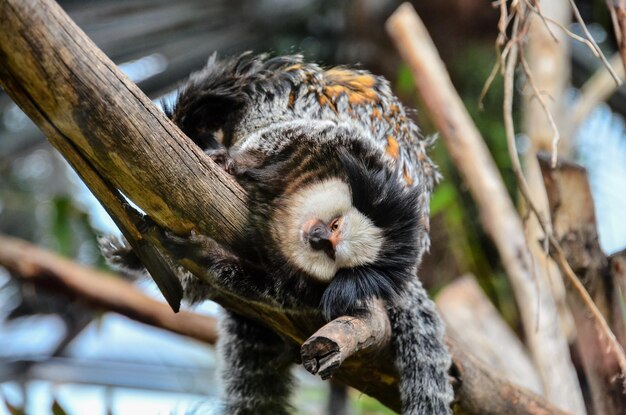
point(319, 239)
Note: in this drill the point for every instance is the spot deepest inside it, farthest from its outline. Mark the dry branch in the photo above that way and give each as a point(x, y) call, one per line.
point(99, 289)
point(332, 344)
point(481, 385)
point(582, 298)
point(546, 65)
point(500, 219)
point(617, 270)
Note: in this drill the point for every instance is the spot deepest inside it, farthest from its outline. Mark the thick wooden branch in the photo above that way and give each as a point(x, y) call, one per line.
point(99, 289)
point(617, 269)
point(479, 388)
point(332, 344)
point(548, 345)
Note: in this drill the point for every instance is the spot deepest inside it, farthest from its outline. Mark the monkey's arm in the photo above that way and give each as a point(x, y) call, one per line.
point(203, 256)
point(420, 354)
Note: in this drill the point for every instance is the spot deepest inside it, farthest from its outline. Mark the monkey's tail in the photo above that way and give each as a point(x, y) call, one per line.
point(420, 354)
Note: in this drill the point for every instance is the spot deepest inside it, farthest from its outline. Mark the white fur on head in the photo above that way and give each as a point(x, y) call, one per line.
point(360, 239)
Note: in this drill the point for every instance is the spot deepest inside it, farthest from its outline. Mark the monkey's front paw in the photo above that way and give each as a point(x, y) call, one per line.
point(321, 355)
point(193, 246)
point(119, 255)
point(221, 157)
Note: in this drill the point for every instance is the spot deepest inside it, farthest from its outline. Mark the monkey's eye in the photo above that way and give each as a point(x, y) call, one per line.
point(334, 225)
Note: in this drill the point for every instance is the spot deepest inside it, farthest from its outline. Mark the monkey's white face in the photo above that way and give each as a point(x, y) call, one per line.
point(319, 231)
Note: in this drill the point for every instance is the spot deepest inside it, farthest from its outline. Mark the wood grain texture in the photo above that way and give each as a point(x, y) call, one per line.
point(58, 76)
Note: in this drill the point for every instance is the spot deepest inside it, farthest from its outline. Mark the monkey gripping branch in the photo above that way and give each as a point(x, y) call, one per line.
point(115, 138)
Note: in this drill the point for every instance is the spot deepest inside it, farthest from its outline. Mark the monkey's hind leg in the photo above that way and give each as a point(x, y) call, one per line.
point(420, 354)
point(256, 368)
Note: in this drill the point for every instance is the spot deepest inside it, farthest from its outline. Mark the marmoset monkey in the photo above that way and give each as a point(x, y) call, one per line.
point(339, 184)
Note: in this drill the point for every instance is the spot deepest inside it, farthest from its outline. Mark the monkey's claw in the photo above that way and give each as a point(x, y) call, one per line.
point(321, 355)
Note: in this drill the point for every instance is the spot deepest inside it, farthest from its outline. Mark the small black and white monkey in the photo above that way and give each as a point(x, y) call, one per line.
point(339, 184)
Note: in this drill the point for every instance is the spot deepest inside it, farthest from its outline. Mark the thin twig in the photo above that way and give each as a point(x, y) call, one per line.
point(488, 83)
point(544, 19)
point(583, 26)
point(618, 14)
point(618, 33)
point(598, 88)
point(568, 32)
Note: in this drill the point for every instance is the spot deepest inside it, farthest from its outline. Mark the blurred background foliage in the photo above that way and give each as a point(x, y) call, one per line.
point(45, 360)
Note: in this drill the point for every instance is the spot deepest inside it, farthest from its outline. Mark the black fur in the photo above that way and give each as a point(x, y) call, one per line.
point(376, 193)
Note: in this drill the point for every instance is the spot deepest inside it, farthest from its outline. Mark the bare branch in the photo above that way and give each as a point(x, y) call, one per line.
point(531, 81)
point(578, 289)
point(618, 16)
point(573, 217)
point(99, 289)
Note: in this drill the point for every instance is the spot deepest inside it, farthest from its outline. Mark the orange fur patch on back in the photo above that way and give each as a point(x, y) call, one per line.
point(292, 98)
point(293, 67)
point(359, 88)
point(407, 177)
point(324, 100)
point(392, 147)
point(352, 78)
point(375, 114)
